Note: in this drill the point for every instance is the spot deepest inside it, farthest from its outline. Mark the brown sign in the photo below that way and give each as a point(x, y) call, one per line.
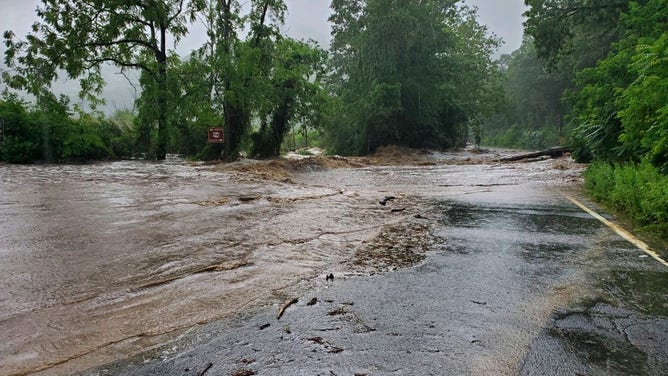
point(216, 135)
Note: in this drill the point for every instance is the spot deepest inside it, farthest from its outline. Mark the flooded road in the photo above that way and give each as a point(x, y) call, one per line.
point(98, 261)
point(102, 262)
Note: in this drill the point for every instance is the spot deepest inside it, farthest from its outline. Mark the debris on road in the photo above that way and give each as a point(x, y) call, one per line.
point(285, 305)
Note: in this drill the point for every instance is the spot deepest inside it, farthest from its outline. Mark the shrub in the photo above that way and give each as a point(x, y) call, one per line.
point(638, 190)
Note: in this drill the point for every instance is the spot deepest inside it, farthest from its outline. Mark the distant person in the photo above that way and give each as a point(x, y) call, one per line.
point(477, 141)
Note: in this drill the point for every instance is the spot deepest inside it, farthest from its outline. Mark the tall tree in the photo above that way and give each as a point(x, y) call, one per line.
point(406, 72)
point(294, 92)
point(580, 29)
point(239, 68)
point(619, 106)
point(79, 36)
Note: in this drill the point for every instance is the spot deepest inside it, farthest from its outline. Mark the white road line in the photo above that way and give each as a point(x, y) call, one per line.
point(623, 233)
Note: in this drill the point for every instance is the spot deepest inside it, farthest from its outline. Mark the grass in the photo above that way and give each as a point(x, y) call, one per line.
point(638, 191)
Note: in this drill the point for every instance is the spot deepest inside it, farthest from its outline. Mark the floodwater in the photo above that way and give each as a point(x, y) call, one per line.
point(101, 262)
point(518, 282)
point(97, 261)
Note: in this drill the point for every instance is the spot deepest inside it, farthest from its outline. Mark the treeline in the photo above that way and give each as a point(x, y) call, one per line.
point(48, 131)
point(247, 77)
point(594, 75)
point(409, 73)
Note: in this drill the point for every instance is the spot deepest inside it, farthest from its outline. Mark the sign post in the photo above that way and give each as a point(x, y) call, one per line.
point(216, 135)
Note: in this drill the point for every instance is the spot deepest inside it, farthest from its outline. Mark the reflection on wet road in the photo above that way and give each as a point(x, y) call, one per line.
point(101, 262)
point(521, 282)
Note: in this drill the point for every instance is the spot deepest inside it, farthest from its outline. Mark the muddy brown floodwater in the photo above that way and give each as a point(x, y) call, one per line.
point(100, 262)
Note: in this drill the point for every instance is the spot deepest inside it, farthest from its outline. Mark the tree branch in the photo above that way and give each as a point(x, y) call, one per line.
point(172, 18)
point(121, 42)
point(94, 62)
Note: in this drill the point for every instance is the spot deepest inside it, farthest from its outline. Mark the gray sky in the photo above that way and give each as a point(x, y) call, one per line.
point(307, 19)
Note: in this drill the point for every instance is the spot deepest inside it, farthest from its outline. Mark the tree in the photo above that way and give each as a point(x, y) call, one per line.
point(620, 105)
point(532, 115)
point(79, 36)
point(294, 92)
point(407, 72)
point(580, 29)
point(239, 69)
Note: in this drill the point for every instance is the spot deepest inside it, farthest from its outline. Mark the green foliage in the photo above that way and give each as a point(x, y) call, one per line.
point(574, 33)
point(19, 144)
point(47, 133)
point(644, 112)
point(517, 137)
point(407, 73)
point(619, 107)
point(531, 116)
point(618, 111)
point(294, 92)
point(594, 111)
point(640, 191)
point(78, 36)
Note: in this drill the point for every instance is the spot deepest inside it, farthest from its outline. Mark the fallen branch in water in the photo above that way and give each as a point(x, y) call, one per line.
point(553, 153)
point(285, 305)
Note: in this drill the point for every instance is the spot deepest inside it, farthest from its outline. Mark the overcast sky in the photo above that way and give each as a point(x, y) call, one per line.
point(307, 19)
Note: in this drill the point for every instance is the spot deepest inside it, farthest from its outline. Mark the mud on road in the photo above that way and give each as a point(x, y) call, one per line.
point(103, 262)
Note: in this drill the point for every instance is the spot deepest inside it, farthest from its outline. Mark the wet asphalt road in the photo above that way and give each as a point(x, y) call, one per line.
point(520, 282)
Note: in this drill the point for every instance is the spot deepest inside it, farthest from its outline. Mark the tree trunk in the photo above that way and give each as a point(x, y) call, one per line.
point(552, 153)
point(161, 57)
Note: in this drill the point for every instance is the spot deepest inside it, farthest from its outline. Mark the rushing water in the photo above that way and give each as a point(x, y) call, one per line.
point(100, 261)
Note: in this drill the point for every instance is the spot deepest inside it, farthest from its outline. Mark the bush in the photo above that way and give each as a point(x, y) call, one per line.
point(48, 133)
point(638, 190)
point(83, 141)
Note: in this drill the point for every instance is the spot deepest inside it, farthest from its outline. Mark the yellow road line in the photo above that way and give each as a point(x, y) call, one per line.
point(623, 233)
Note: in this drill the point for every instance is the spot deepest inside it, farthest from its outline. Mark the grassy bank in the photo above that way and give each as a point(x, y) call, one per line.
point(639, 191)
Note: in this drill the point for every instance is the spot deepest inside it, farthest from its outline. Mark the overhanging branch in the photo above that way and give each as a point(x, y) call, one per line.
point(124, 64)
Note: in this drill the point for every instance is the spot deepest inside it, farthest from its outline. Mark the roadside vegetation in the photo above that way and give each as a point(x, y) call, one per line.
point(592, 75)
point(639, 191)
